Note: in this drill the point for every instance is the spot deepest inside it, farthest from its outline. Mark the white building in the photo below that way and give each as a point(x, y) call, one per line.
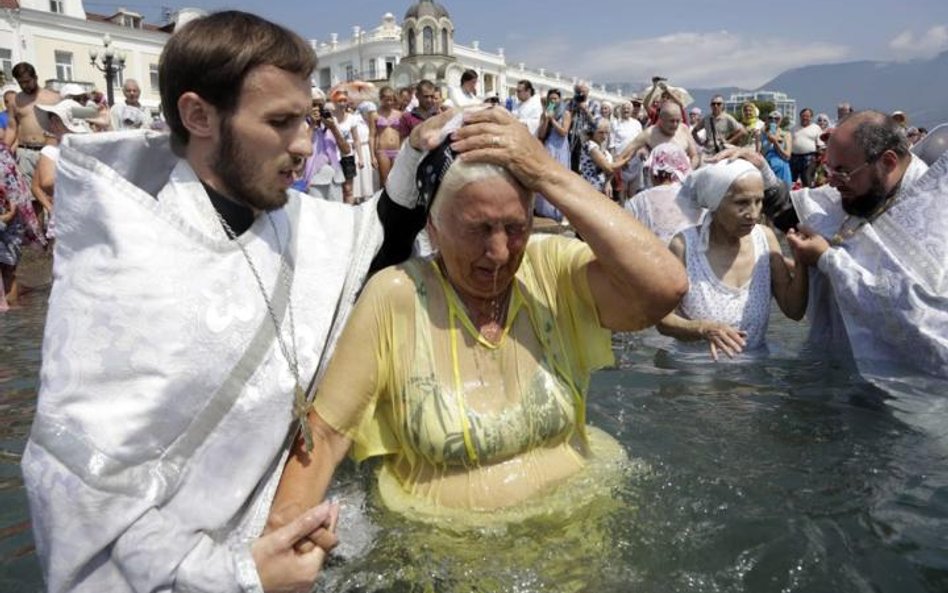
point(56, 37)
point(423, 46)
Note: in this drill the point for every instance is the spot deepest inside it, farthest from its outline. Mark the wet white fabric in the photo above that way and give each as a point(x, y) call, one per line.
point(663, 212)
point(746, 308)
point(883, 293)
point(165, 401)
point(708, 185)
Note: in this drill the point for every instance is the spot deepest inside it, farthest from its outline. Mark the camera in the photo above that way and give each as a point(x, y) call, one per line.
point(325, 113)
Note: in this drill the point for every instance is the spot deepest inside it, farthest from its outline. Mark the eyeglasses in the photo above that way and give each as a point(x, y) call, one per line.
point(717, 102)
point(845, 176)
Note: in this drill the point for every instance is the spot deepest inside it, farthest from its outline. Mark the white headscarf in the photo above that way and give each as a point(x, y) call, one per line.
point(708, 185)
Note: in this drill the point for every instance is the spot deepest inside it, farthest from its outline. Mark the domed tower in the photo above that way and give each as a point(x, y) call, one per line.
point(427, 45)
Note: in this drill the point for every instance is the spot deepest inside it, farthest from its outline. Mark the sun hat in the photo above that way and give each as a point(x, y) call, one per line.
point(70, 112)
point(71, 89)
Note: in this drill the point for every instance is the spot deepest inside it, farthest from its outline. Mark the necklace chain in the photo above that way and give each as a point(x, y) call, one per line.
point(300, 406)
point(496, 307)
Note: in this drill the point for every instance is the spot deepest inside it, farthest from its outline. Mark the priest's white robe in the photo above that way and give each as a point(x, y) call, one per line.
point(882, 294)
point(165, 404)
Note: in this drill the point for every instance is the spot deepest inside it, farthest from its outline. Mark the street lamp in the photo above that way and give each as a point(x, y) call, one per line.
point(110, 63)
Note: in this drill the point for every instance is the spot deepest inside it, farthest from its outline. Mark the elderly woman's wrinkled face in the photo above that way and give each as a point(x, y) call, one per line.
point(740, 209)
point(481, 236)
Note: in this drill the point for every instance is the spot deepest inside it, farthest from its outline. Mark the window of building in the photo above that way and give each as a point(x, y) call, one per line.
point(6, 63)
point(373, 69)
point(411, 42)
point(56, 6)
point(428, 41)
point(63, 65)
point(389, 66)
point(350, 71)
point(325, 78)
point(153, 76)
point(131, 21)
point(444, 41)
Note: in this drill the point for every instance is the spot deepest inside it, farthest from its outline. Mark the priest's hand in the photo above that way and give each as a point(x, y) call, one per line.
point(281, 563)
point(735, 152)
point(807, 246)
point(430, 133)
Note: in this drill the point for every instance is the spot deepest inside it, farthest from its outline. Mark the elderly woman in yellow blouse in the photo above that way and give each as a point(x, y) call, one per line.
point(467, 371)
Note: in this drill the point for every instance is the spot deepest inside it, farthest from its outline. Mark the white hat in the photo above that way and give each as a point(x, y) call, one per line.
point(71, 89)
point(70, 112)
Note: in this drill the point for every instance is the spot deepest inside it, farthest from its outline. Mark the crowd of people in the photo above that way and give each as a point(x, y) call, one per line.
point(216, 343)
point(33, 123)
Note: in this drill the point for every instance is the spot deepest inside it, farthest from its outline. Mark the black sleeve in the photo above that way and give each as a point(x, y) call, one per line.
point(779, 208)
point(400, 226)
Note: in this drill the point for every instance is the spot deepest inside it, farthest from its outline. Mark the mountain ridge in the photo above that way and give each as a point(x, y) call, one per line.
point(918, 87)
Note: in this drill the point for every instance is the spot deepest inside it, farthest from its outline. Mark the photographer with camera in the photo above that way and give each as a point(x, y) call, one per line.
point(722, 130)
point(581, 124)
point(322, 174)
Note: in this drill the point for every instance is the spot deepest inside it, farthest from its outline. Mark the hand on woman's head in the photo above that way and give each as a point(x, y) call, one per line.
point(431, 132)
point(495, 136)
point(739, 152)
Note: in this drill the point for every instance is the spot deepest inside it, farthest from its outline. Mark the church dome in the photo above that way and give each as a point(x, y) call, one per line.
point(426, 8)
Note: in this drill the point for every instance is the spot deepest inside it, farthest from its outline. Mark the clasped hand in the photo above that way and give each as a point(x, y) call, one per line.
point(288, 558)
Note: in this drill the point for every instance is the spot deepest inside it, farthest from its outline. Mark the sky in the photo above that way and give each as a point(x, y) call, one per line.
point(693, 43)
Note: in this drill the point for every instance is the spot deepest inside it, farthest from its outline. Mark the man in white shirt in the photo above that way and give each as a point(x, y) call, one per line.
point(466, 94)
point(806, 146)
point(131, 115)
point(529, 109)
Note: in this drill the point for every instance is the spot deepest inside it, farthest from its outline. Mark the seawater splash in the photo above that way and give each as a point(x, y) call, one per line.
point(786, 472)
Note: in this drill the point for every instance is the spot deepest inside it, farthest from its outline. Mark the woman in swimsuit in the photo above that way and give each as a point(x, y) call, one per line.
point(385, 136)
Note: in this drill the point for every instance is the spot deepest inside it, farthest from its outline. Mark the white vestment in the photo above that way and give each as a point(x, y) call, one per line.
point(165, 404)
point(883, 293)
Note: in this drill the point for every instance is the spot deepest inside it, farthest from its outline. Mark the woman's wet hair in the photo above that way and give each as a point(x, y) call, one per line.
point(461, 174)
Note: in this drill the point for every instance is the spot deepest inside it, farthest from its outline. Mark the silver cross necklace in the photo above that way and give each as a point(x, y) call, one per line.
point(300, 404)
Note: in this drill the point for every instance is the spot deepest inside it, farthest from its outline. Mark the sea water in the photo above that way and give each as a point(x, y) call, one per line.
point(785, 472)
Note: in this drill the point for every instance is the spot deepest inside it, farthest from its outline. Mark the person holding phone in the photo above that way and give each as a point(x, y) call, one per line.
point(554, 133)
point(775, 145)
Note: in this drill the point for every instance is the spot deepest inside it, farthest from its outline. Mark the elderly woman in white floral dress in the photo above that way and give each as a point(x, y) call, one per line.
point(734, 265)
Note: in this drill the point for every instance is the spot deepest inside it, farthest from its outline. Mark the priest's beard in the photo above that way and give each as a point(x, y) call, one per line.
point(871, 200)
point(236, 166)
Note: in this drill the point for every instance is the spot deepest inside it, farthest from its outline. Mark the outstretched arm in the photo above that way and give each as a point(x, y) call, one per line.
point(788, 280)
